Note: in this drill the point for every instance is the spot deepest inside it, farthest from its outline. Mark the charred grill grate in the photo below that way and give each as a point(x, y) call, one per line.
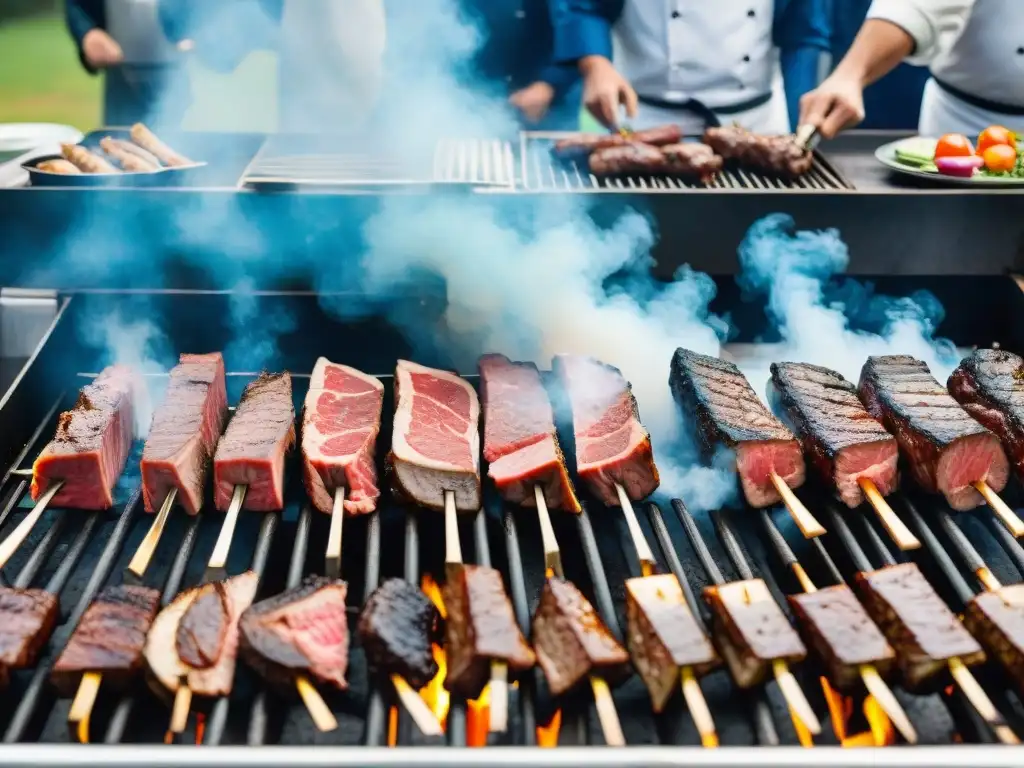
point(542, 171)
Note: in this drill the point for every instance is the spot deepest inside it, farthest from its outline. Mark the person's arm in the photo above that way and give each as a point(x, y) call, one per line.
point(561, 77)
point(802, 32)
point(82, 17)
point(930, 24)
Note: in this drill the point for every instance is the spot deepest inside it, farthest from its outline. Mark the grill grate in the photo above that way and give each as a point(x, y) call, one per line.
point(541, 171)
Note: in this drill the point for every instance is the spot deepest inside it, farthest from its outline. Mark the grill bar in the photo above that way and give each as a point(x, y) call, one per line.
point(521, 606)
point(376, 714)
point(1010, 545)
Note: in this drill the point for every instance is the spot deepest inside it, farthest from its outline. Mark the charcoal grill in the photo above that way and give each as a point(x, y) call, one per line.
point(76, 554)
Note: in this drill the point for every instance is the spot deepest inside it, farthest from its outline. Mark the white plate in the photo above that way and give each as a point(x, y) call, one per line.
point(21, 137)
point(886, 155)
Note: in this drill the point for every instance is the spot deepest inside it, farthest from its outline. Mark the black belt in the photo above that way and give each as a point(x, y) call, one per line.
point(979, 102)
point(710, 114)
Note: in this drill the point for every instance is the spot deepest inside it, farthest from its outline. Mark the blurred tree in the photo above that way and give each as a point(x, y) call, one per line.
point(14, 9)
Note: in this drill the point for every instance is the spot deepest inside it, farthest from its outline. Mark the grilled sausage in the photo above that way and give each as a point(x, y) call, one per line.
point(779, 155)
point(632, 157)
point(63, 167)
point(146, 139)
point(692, 159)
point(659, 136)
point(86, 161)
point(131, 157)
point(585, 143)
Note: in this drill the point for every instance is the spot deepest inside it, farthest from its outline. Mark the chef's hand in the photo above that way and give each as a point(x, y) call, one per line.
point(836, 104)
point(101, 50)
point(534, 100)
point(604, 90)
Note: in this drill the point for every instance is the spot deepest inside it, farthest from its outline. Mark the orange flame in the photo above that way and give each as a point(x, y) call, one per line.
point(392, 726)
point(200, 727)
point(880, 731)
point(547, 735)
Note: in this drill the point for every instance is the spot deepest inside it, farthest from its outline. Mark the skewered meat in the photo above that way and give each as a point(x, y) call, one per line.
point(996, 619)
point(696, 160)
point(947, 450)
point(583, 143)
point(27, 618)
point(185, 431)
point(128, 161)
point(340, 423)
point(436, 445)
point(479, 627)
point(398, 627)
point(92, 442)
point(303, 631)
point(253, 447)
point(109, 638)
point(989, 384)
point(842, 440)
point(840, 631)
point(778, 155)
point(922, 629)
point(63, 167)
point(612, 446)
point(752, 630)
point(209, 615)
point(571, 640)
point(86, 161)
point(664, 636)
point(729, 413)
point(519, 435)
point(146, 139)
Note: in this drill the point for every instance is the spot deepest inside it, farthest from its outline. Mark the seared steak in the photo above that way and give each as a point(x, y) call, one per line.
point(203, 628)
point(27, 618)
point(436, 443)
point(571, 640)
point(777, 155)
point(989, 384)
point(92, 443)
point(480, 626)
point(663, 636)
point(109, 639)
point(842, 440)
point(184, 434)
point(729, 414)
point(398, 627)
point(842, 634)
point(996, 619)
point(612, 446)
point(922, 629)
point(519, 435)
point(303, 631)
point(752, 630)
point(947, 450)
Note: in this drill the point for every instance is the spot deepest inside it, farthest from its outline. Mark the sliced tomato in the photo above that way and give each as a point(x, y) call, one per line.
point(954, 145)
point(994, 136)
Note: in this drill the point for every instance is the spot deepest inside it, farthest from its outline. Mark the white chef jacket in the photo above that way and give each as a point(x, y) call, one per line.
point(718, 54)
point(974, 46)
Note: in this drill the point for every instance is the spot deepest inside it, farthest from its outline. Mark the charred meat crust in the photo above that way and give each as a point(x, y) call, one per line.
point(778, 155)
point(398, 627)
point(996, 619)
point(203, 627)
point(30, 616)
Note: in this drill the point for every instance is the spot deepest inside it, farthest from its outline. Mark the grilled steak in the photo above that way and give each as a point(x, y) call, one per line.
point(729, 414)
point(92, 443)
point(185, 432)
point(663, 636)
point(222, 608)
point(253, 448)
point(947, 450)
point(398, 627)
point(480, 626)
point(340, 423)
point(109, 639)
point(571, 640)
point(989, 384)
point(436, 445)
point(612, 446)
point(996, 619)
point(27, 618)
point(686, 160)
point(776, 155)
point(840, 631)
point(585, 143)
point(842, 440)
point(303, 631)
point(752, 630)
point(519, 435)
point(922, 629)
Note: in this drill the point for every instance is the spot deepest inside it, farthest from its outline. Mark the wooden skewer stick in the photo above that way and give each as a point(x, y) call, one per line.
point(322, 716)
point(643, 549)
point(215, 568)
point(81, 706)
point(498, 707)
point(698, 707)
point(182, 704)
point(610, 725)
point(980, 701)
point(896, 528)
point(18, 535)
point(417, 708)
point(552, 554)
point(1002, 510)
point(140, 562)
point(804, 520)
point(794, 696)
point(332, 564)
point(988, 579)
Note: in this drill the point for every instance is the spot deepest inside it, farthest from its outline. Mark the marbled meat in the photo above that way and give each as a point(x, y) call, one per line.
point(184, 434)
point(520, 441)
point(843, 442)
point(996, 619)
point(612, 446)
point(27, 619)
point(92, 443)
point(946, 449)
point(398, 628)
point(729, 414)
point(253, 448)
point(340, 423)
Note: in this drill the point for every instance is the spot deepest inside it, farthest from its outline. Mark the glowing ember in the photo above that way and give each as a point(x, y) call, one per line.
point(434, 692)
point(881, 732)
point(547, 735)
point(478, 719)
point(200, 727)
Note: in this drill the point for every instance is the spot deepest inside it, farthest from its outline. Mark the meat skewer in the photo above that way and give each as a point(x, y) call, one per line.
point(729, 414)
point(29, 618)
point(849, 449)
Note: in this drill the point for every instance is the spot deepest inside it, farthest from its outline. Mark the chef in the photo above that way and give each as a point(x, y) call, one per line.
point(693, 62)
point(974, 48)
